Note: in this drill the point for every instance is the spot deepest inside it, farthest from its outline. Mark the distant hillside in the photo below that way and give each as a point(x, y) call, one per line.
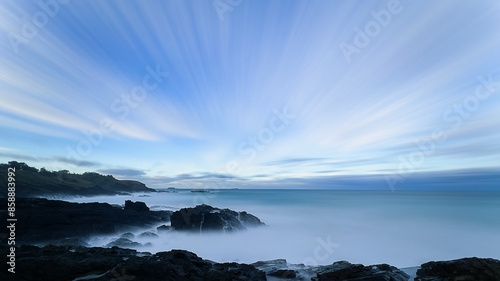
point(32, 182)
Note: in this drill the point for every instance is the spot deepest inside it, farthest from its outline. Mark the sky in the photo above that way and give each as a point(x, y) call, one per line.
point(240, 93)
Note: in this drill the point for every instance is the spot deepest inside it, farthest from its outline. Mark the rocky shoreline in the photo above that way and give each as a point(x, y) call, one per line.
point(78, 263)
point(59, 229)
point(53, 221)
point(67, 223)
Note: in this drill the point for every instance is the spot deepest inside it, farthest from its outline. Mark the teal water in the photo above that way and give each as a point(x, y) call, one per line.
point(402, 228)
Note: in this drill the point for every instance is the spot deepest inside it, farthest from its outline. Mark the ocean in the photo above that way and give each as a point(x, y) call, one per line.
point(318, 227)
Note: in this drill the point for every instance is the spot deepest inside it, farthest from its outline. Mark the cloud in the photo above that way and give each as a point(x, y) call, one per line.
point(78, 163)
point(355, 162)
point(203, 176)
point(260, 176)
point(122, 172)
point(16, 156)
point(198, 180)
point(463, 179)
point(328, 171)
point(291, 161)
point(460, 179)
point(64, 160)
point(224, 86)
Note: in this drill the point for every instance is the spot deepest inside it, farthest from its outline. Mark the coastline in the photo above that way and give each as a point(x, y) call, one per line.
point(126, 218)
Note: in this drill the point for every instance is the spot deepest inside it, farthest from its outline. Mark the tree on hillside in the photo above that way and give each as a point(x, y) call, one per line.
point(22, 166)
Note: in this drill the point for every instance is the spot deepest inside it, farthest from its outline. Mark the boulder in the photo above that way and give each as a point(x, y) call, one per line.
point(248, 219)
point(207, 218)
point(148, 234)
point(346, 271)
point(467, 269)
point(128, 235)
point(279, 268)
point(123, 243)
point(135, 206)
point(283, 273)
point(271, 264)
point(164, 228)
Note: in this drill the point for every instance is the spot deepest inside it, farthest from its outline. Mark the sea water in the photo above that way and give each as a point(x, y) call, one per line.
point(317, 227)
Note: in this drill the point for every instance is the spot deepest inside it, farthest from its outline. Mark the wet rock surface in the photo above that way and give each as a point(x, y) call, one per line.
point(71, 262)
point(283, 273)
point(344, 270)
point(339, 271)
point(135, 206)
point(123, 243)
point(207, 218)
point(467, 269)
point(164, 228)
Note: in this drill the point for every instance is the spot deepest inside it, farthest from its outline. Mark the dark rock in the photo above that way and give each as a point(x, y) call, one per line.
point(135, 206)
point(346, 271)
point(128, 235)
point(248, 219)
point(164, 228)
point(148, 234)
point(208, 218)
point(234, 271)
point(68, 263)
point(69, 241)
point(271, 264)
point(279, 268)
point(44, 221)
point(123, 243)
point(283, 273)
point(467, 269)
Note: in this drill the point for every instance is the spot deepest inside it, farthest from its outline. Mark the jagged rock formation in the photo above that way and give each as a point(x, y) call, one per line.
point(207, 218)
point(104, 264)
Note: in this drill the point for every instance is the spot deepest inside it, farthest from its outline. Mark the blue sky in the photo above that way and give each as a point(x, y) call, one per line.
point(251, 93)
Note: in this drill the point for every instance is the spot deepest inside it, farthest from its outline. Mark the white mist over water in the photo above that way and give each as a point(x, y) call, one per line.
point(402, 228)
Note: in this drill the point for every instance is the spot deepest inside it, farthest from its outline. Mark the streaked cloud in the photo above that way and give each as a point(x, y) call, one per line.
point(122, 172)
point(17, 156)
point(78, 163)
point(293, 161)
point(214, 85)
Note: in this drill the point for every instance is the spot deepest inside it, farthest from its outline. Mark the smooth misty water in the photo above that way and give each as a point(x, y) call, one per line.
point(402, 228)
